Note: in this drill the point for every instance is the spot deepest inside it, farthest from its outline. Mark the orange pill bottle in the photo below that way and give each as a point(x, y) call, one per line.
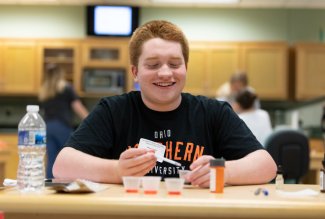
point(217, 168)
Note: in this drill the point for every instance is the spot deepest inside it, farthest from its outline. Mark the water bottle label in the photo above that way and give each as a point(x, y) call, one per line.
point(31, 138)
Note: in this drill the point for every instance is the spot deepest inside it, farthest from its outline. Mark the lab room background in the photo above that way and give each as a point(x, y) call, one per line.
point(290, 26)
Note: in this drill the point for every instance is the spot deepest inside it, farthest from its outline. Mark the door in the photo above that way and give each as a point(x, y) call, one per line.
point(223, 62)
point(19, 71)
point(266, 67)
point(197, 69)
point(310, 69)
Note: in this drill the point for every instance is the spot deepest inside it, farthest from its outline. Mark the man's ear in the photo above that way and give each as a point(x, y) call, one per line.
point(134, 71)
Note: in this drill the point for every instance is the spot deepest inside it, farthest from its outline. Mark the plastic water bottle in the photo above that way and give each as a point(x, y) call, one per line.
point(31, 150)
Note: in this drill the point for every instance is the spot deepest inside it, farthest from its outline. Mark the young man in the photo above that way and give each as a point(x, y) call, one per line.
point(194, 129)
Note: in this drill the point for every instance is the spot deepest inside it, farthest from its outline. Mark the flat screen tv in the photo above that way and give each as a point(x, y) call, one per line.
point(112, 20)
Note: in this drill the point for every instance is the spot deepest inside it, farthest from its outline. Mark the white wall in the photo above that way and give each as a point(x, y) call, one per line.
point(309, 115)
point(198, 23)
point(42, 21)
point(225, 24)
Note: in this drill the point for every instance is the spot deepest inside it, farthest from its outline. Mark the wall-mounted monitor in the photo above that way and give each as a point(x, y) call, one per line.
point(112, 20)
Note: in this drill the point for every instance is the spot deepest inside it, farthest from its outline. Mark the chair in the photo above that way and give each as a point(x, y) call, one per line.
point(290, 149)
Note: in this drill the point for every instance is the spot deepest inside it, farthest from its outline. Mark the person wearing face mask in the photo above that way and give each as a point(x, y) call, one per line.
point(194, 129)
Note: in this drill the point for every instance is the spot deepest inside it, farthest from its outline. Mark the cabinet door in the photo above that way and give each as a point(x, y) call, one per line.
point(11, 164)
point(266, 67)
point(19, 69)
point(310, 70)
point(65, 54)
point(197, 68)
point(1, 68)
point(105, 53)
point(223, 62)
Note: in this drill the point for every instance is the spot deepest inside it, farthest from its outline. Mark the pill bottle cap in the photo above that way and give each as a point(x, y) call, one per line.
point(217, 162)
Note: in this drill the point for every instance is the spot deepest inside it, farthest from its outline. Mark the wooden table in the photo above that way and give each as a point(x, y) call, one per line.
point(235, 202)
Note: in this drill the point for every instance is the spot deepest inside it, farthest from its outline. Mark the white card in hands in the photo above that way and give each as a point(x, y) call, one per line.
point(159, 150)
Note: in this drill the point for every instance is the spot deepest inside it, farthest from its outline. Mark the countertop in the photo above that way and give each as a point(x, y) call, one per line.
point(239, 202)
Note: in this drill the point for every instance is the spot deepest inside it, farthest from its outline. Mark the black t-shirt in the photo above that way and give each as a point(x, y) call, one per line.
point(199, 126)
point(59, 107)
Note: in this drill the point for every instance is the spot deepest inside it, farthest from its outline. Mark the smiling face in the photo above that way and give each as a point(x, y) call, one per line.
point(161, 73)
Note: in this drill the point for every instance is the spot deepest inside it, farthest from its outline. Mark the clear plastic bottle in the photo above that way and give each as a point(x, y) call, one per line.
point(322, 124)
point(322, 171)
point(31, 150)
point(322, 176)
point(279, 181)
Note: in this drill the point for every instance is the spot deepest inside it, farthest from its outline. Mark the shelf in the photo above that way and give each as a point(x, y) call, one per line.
point(105, 53)
point(64, 54)
point(58, 60)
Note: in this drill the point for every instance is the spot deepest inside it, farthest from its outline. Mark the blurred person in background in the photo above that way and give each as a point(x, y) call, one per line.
point(229, 90)
point(58, 101)
point(257, 120)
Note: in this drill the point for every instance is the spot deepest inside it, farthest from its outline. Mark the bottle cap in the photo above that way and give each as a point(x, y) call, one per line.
point(217, 162)
point(32, 108)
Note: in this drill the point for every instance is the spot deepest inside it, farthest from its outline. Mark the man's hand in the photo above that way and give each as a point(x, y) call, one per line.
point(200, 175)
point(136, 162)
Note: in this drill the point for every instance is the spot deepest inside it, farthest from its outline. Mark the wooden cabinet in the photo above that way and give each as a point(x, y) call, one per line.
point(11, 161)
point(22, 62)
point(65, 54)
point(211, 64)
point(224, 61)
point(106, 55)
point(19, 73)
point(310, 70)
point(197, 69)
point(266, 65)
point(2, 82)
